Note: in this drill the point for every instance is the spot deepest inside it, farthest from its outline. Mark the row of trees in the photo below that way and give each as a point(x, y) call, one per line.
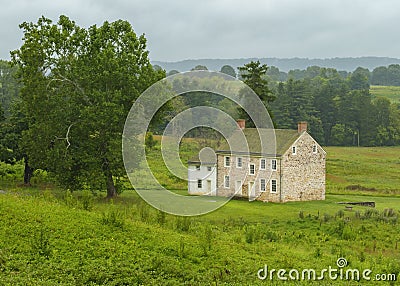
point(389, 75)
point(339, 107)
point(339, 111)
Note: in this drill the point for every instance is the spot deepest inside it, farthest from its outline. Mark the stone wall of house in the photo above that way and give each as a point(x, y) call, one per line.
point(243, 175)
point(303, 174)
point(299, 177)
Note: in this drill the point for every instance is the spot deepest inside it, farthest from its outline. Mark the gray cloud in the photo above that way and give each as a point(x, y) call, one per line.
point(179, 30)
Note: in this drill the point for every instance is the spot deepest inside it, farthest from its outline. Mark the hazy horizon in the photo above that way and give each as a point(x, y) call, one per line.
point(179, 30)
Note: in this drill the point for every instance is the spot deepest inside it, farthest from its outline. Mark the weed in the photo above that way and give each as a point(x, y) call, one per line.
point(206, 238)
point(113, 218)
point(183, 223)
point(41, 242)
point(326, 217)
point(144, 211)
point(340, 214)
point(87, 199)
point(161, 217)
point(181, 249)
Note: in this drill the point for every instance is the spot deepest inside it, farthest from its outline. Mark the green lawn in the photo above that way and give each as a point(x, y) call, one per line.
point(363, 170)
point(391, 92)
point(51, 240)
point(50, 237)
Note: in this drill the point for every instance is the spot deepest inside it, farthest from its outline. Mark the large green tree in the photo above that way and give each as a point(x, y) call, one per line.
point(78, 86)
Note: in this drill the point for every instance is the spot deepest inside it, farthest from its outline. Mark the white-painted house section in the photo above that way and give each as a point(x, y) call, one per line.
point(202, 180)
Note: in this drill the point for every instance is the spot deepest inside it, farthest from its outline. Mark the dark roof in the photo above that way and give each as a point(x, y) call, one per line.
point(284, 139)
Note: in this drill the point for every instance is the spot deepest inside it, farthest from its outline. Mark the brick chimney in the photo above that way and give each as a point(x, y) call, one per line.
point(241, 123)
point(301, 126)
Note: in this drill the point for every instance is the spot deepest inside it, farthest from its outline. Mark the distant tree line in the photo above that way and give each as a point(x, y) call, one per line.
point(340, 111)
point(337, 104)
point(389, 76)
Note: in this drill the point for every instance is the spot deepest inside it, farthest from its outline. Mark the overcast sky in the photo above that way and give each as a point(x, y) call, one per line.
point(195, 29)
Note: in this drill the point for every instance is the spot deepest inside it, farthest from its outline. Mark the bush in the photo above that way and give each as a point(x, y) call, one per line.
point(206, 237)
point(183, 223)
point(113, 218)
point(87, 200)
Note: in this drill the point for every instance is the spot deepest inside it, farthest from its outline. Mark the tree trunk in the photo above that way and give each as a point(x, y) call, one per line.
point(111, 191)
point(28, 172)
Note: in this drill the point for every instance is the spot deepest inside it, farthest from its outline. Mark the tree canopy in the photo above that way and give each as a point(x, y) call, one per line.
point(229, 70)
point(78, 86)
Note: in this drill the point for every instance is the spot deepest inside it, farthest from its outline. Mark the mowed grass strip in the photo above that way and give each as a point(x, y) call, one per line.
point(363, 170)
point(391, 92)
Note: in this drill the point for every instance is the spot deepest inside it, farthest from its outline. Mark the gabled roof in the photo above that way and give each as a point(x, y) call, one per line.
point(203, 158)
point(284, 139)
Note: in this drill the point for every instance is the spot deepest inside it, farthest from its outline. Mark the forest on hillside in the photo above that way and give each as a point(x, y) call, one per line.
point(338, 106)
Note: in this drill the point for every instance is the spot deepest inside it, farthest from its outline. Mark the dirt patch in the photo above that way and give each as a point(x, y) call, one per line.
point(360, 188)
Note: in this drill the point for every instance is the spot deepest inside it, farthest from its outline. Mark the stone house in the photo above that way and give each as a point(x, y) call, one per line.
point(294, 172)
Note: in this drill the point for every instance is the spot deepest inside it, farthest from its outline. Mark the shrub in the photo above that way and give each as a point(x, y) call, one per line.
point(69, 199)
point(183, 223)
point(252, 233)
point(161, 217)
point(389, 213)
point(326, 217)
point(144, 211)
point(113, 218)
point(87, 200)
point(271, 236)
point(369, 213)
point(206, 237)
point(340, 214)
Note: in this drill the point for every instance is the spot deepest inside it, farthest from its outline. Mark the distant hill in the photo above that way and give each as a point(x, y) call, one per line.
point(346, 64)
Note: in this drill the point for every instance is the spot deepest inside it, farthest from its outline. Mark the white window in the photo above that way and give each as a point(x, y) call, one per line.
point(314, 149)
point(252, 169)
point(226, 181)
point(227, 161)
point(273, 186)
point(209, 168)
point(198, 167)
point(273, 164)
point(262, 164)
point(239, 162)
point(262, 185)
point(294, 150)
point(199, 184)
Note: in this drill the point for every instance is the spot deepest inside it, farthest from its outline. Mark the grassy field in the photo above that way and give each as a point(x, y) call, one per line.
point(50, 237)
point(391, 92)
point(363, 170)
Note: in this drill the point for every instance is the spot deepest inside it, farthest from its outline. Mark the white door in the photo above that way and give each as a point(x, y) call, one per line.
point(209, 188)
point(238, 188)
point(252, 191)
